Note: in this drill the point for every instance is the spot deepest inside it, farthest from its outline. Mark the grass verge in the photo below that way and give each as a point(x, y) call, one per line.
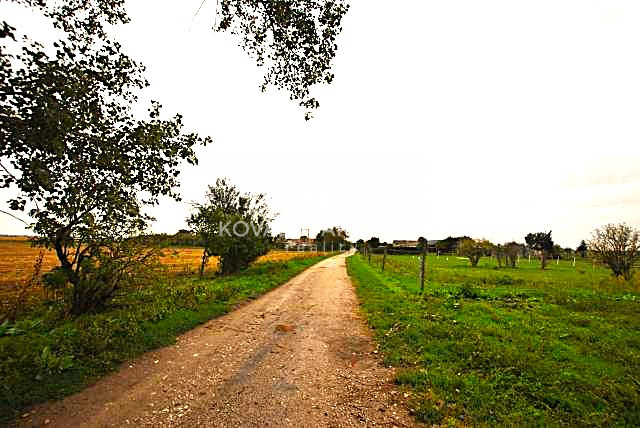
point(44, 357)
point(507, 347)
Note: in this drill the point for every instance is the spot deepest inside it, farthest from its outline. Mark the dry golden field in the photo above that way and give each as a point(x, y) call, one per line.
point(17, 258)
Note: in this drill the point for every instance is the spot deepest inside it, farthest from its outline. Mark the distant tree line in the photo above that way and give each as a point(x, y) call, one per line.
point(616, 246)
point(182, 238)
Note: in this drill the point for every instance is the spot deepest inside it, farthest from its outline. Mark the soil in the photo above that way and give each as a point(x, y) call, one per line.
point(299, 356)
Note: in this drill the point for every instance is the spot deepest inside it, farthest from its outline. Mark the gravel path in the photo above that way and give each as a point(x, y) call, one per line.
point(300, 356)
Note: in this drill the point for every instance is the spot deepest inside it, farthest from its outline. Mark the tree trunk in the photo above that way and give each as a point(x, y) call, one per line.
point(203, 262)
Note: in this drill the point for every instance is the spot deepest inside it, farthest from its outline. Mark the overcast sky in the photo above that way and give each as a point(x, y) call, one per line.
point(486, 118)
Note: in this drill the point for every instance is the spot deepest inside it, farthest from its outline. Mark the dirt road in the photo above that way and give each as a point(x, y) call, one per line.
point(300, 356)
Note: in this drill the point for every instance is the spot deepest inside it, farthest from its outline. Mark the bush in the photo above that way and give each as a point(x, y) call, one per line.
point(231, 226)
point(617, 246)
point(474, 249)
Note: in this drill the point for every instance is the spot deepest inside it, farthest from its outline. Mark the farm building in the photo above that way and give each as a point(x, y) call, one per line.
point(404, 243)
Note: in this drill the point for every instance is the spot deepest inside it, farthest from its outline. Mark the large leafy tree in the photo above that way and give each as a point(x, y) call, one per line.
point(542, 243)
point(617, 246)
point(83, 165)
point(232, 226)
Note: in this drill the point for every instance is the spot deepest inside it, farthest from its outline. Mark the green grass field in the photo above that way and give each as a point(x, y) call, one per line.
point(509, 346)
point(45, 355)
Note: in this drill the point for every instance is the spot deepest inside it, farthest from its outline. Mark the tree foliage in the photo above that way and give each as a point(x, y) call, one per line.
point(423, 244)
point(582, 249)
point(373, 242)
point(83, 164)
point(295, 39)
point(84, 167)
point(542, 243)
point(473, 249)
point(499, 253)
point(617, 246)
point(449, 244)
point(333, 237)
point(511, 251)
point(232, 226)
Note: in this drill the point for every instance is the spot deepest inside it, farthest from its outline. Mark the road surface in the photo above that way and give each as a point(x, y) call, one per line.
point(299, 356)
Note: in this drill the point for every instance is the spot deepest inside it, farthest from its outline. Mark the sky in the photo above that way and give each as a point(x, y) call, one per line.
point(490, 119)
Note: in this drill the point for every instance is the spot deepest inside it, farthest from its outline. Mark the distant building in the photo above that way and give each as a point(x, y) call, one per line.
point(296, 242)
point(404, 243)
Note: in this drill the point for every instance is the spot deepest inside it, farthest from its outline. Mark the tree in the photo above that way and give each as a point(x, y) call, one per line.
point(449, 244)
point(101, 271)
point(499, 253)
point(373, 242)
point(582, 249)
point(83, 166)
point(568, 253)
point(617, 246)
point(542, 243)
point(280, 240)
point(511, 251)
point(473, 249)
point(232, 225)
point(333, 237)
point(296, 39)
point(422, 243)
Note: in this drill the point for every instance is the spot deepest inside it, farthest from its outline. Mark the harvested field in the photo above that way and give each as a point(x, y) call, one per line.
point(17, 258)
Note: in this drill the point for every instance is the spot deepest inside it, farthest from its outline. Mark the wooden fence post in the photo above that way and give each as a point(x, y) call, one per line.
point(384, 258)
point(422, 261)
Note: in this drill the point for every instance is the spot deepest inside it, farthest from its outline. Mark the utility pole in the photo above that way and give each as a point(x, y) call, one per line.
point(307, 235)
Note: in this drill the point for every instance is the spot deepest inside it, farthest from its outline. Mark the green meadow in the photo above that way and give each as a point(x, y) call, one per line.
point(491, 346)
